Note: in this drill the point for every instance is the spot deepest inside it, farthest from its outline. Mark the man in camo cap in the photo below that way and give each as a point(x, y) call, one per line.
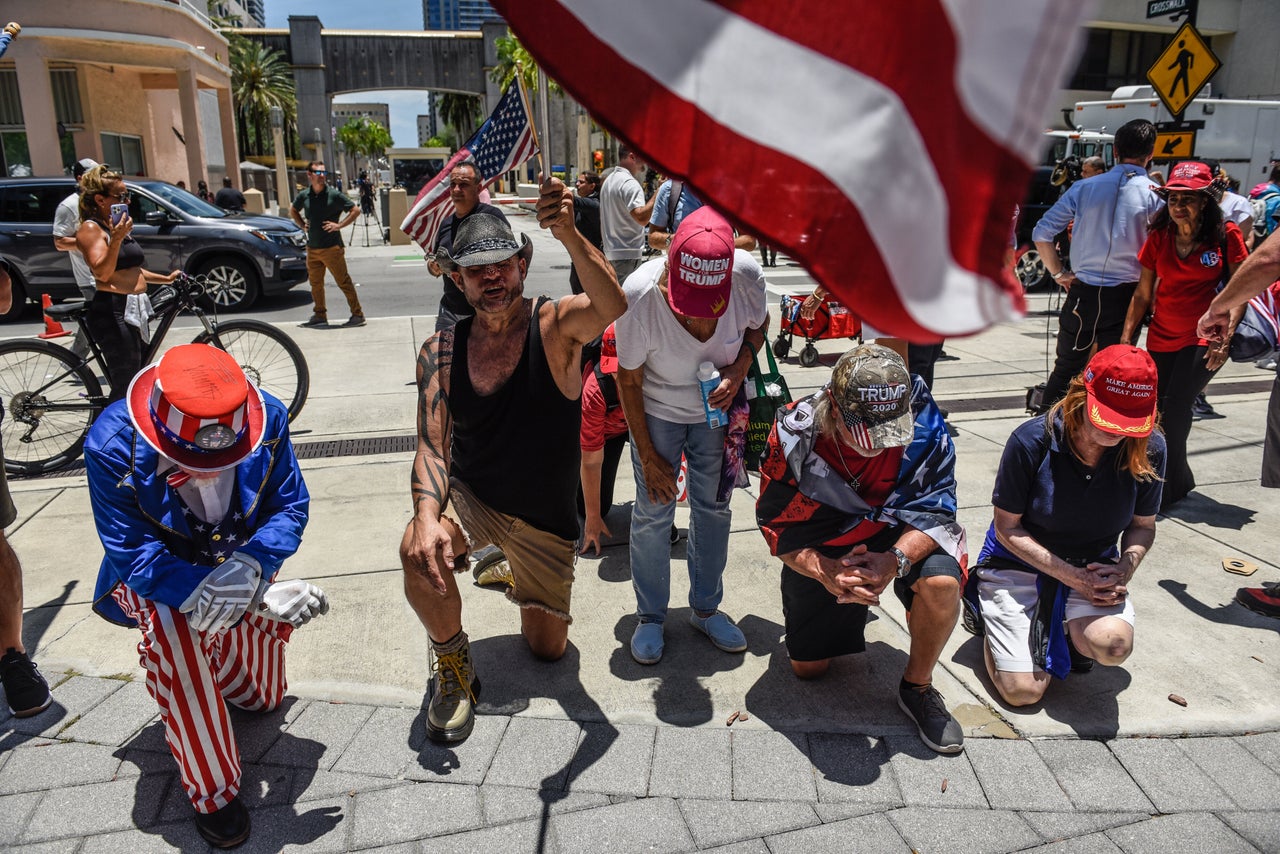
point(858, 490)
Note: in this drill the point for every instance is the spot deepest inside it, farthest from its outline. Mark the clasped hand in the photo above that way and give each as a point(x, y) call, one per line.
point(1102, 583)
point(859, 577)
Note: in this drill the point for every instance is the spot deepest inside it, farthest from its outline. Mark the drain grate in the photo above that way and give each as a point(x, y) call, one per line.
point(356, 447)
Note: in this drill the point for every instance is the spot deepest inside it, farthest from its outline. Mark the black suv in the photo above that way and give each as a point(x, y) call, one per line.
point(243, 256)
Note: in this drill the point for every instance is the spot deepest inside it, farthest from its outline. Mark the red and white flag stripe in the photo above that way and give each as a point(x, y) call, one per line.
point(884, 145)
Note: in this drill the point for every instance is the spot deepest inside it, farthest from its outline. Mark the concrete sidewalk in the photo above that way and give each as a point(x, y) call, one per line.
point(595, 752)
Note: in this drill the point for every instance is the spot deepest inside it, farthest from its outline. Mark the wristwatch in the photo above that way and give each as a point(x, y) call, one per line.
point(904, 562)
point(1058, 275)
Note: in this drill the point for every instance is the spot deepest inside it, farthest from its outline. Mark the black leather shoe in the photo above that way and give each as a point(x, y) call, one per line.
point(225, 828)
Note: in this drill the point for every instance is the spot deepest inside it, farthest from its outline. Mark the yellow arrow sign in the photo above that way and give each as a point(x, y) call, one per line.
point(1181, 71)
point(1172, 146)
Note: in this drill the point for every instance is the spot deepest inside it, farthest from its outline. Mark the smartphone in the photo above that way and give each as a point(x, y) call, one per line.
point(118, 212)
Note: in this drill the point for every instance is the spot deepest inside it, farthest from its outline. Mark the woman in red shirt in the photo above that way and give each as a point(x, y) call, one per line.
point(1188, 255)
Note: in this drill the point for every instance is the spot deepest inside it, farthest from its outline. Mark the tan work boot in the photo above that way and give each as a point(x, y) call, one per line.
point(454, 689)
point(490, 567)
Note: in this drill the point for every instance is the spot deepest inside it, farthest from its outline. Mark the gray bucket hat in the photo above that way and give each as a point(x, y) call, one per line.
point(483, 239)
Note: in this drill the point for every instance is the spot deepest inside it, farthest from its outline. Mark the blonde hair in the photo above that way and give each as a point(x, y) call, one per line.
point(94, 183)
point(1072, 408)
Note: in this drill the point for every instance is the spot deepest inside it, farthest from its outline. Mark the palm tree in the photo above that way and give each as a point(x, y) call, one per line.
point(260, 80)
point(461, 112)
point(362, 136)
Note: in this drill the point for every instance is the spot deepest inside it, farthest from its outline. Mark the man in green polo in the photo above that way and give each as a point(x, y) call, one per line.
point(320, 210)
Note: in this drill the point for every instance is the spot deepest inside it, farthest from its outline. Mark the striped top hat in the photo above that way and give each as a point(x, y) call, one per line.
point(197, 408)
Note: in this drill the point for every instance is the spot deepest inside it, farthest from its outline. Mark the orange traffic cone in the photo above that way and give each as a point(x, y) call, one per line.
point(52, 328)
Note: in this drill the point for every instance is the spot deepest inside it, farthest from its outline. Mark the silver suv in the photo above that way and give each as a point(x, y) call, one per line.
point(243, 256)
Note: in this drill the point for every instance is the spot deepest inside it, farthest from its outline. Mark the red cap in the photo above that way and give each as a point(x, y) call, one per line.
point(1121, 383)
point(700, 261)
point(197, 408)
point(1188, 175)
point(609, 351)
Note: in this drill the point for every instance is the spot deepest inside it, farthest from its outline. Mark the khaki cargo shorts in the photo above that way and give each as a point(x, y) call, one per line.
point(541, 563)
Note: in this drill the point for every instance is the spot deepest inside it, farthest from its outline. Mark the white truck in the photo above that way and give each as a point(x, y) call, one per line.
point(1242, 135)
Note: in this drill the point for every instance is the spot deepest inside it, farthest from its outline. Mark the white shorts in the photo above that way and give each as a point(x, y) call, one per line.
point(1009, 599)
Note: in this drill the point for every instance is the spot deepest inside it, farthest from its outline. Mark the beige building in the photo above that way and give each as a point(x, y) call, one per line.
point(142, 85)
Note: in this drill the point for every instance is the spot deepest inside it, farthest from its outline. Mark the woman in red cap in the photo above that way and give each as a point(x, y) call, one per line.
point(1188, 255)
point(1071, 483)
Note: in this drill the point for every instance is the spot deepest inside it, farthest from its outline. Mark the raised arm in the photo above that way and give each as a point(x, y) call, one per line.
point(583, 316)
point(432, 547)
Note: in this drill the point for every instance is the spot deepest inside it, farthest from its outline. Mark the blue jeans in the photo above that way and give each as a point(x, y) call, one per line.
point(703, 448)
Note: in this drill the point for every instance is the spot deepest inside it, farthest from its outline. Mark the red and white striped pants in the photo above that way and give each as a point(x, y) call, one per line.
point(193, 675)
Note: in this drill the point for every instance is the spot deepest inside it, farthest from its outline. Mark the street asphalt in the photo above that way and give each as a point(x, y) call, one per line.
point(596, 753)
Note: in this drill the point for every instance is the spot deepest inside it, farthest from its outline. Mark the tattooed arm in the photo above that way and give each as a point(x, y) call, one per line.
point(431, 549)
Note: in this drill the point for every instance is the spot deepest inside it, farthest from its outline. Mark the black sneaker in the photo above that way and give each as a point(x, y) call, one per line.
point(24, 687)
point(971, 618)
point(317, 321)
point(1200, 408)
point(928, 710)
point(225, 828)
point(1080, 663)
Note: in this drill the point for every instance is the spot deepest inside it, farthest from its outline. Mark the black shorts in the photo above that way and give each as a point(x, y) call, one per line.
point(818, 627)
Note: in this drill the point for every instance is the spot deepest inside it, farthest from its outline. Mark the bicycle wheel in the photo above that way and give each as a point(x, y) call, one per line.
point(268, 357)
point(50, 400)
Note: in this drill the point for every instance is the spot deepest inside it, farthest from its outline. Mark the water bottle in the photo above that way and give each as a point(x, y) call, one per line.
point(709, 381)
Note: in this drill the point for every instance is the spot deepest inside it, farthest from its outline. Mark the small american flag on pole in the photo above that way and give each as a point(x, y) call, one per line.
point(882, 144)
point(503, 142)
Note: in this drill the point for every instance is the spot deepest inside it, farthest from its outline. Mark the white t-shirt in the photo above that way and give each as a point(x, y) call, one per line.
point(649, 335)
point(620, 194)
point(1235, 208)
point(66, 221)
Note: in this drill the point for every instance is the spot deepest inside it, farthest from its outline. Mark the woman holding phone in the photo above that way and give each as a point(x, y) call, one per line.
point(116, 261)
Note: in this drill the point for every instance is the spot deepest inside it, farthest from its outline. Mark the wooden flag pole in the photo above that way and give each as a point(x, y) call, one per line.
point(533, 127)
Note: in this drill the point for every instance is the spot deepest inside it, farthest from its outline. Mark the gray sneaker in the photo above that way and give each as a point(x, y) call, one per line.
point(356, 320)
point(928, 711)
point(315, 322)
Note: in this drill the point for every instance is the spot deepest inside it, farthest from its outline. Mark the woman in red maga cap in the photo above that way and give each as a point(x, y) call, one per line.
point(1071, 483)
point(1188, 255)
point(198, 500)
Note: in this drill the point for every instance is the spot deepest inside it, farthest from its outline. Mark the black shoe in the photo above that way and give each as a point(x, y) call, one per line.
point(225, 828)
point(928, 711)
point(1201, 409)
point(1080, 663)
point(317, 321)
point(971, 618)
point(24, 687)
point(675, 535)
point(356, 320)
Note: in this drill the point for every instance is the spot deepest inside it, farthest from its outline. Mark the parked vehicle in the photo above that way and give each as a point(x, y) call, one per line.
point(240, 256)
point(1058, 168)
point(1242, 135)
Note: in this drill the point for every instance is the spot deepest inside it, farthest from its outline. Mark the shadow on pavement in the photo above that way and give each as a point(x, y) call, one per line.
point(36, 620)
point(517, 677)
point(1231, 614)
point(688, 657)
point(1199, 509)
point(1086, 702)
point(267, 790)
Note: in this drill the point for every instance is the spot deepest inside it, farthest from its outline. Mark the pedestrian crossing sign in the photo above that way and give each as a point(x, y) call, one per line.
point(1181, 71)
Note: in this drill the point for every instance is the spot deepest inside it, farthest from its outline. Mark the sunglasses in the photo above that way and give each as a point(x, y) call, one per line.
point(123, 197)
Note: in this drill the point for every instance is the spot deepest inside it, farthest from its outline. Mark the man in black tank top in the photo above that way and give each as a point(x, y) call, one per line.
point(498, 413)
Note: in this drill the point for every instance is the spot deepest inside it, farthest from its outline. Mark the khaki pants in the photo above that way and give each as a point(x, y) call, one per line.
point(333, 259)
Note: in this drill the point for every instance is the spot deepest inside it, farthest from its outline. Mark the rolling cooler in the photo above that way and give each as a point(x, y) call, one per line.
point(832, 320)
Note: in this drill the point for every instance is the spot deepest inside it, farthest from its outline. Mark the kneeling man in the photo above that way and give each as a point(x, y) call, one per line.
point(858, 490)
point(198, 500)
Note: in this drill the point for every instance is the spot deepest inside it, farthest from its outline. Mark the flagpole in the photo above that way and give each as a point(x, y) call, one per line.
point(544, 113)
point(533, 127)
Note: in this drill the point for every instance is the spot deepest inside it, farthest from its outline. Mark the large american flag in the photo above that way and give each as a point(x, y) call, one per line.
point(502, 143)
point(882, 144)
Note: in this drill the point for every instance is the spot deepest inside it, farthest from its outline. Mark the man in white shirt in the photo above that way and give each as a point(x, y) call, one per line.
point(624, 213)
point(66, 221)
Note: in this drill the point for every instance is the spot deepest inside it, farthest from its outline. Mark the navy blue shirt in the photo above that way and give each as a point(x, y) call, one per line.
point(1073, 511)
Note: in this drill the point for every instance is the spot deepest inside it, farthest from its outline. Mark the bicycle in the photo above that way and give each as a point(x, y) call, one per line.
point(51, 396)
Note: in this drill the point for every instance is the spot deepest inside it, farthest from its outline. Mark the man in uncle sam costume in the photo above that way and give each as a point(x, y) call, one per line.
point(198, 500)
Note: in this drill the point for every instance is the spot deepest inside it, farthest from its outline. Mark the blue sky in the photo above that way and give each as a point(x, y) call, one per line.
point(366, 15)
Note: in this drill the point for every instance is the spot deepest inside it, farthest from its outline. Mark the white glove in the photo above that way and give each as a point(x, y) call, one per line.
point(295, 602)
point(224, 595)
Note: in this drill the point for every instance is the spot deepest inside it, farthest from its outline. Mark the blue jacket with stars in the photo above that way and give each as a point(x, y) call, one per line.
point(148, 544)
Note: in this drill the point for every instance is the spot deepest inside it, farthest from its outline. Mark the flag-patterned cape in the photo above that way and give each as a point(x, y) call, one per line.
point(503, 142)
point(804, 503)
point(882, 144)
